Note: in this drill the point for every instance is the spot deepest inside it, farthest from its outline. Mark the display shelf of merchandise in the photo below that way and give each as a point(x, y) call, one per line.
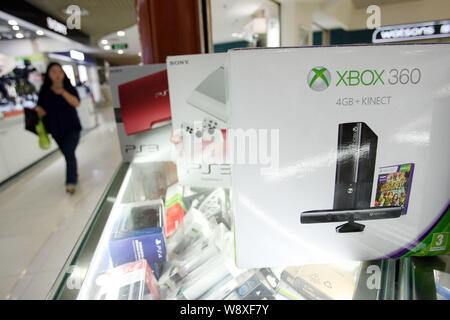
point(196, 253)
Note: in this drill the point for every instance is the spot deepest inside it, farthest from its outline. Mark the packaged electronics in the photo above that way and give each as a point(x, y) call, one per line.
point(199, 116)
point(142, 110)
point(255, 287)
point(132, 281)
point(175, 208)
point(343, 153)
point(139, 233)
point(320, 282)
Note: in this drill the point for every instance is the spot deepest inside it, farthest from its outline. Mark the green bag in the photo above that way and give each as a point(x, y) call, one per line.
point(44, 140)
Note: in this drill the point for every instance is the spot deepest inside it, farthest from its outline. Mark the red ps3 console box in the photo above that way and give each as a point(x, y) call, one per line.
point(144, 103)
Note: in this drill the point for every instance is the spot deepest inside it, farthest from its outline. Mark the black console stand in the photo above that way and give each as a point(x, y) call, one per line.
point(350, 226)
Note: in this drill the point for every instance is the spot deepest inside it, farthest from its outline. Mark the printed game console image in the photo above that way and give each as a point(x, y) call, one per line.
point(355, 166)
point(144, 103)
point(209, 95)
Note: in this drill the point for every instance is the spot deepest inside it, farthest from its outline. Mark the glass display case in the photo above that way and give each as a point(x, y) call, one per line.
point(151, 238)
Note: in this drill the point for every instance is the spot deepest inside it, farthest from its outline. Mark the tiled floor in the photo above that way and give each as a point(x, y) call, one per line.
point(40, 223)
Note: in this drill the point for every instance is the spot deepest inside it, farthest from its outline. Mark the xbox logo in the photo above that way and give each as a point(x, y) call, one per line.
point(319, 78)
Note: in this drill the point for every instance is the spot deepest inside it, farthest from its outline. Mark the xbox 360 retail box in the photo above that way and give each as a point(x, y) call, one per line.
point(142, 111)
point(199, 117)
point(346, 153)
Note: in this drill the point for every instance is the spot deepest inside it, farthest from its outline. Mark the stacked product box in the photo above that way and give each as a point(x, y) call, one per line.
point(139, 234)
point(199, 118)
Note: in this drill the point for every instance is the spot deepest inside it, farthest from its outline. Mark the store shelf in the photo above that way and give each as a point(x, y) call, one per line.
point(83, 251)
point(136, 183)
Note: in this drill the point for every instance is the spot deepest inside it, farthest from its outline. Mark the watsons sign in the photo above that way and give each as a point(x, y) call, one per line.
point(426, 30)
point(54, 25)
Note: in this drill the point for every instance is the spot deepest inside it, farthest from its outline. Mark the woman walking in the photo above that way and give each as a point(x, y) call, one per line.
point(56, 104)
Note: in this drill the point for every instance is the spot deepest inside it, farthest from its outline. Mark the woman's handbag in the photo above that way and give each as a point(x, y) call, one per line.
point(31, 120)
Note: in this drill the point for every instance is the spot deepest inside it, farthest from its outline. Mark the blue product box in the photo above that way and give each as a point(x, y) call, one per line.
point(139, 234)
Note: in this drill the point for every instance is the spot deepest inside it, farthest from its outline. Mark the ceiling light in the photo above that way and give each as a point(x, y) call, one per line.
point(12, 22)
point(104, 41)
point(121, 33)
point(19, 35)
point(77, 55)
point(107, 47)
point(16, 28)
point(120, 51)
point(40, 32)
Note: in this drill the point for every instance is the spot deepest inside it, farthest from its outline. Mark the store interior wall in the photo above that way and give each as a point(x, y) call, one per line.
point(300, 17)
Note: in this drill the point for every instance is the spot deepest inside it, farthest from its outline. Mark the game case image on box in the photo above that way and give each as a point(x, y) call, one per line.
point(394, 185)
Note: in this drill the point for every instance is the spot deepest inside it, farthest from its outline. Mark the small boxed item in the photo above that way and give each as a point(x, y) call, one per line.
point(175, 209)
point(132, 281)
point(256, 287)
point(320, 282)
point(139, 233)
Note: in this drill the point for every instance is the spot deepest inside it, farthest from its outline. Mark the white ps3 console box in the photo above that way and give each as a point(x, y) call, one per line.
point(352, 153)
point(200, 118)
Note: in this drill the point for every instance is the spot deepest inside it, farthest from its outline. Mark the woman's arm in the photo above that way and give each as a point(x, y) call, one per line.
point(40, 111)
point(70, 98)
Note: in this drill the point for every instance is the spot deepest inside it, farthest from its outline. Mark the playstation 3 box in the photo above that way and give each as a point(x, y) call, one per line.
point(139, 234)
point(199, 111)
point(141, 104)
point(339, 153)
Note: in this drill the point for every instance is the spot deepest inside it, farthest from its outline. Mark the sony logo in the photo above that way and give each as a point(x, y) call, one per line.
point(177, 62)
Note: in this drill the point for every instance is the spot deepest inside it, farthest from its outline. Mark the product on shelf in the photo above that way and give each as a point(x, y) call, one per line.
point(132, 281)
point(320, 282)
point(317, 128)
point(139, 233)
point(175, 209)
point(200, 119)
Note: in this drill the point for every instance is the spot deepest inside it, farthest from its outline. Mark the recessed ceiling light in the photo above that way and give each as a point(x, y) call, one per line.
point(16, 28)
point(121, 33)
point(107, 47)
point(40, 32)
point(12, 22)
point(120, 51)
point(19, 35)
point(104, 41)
